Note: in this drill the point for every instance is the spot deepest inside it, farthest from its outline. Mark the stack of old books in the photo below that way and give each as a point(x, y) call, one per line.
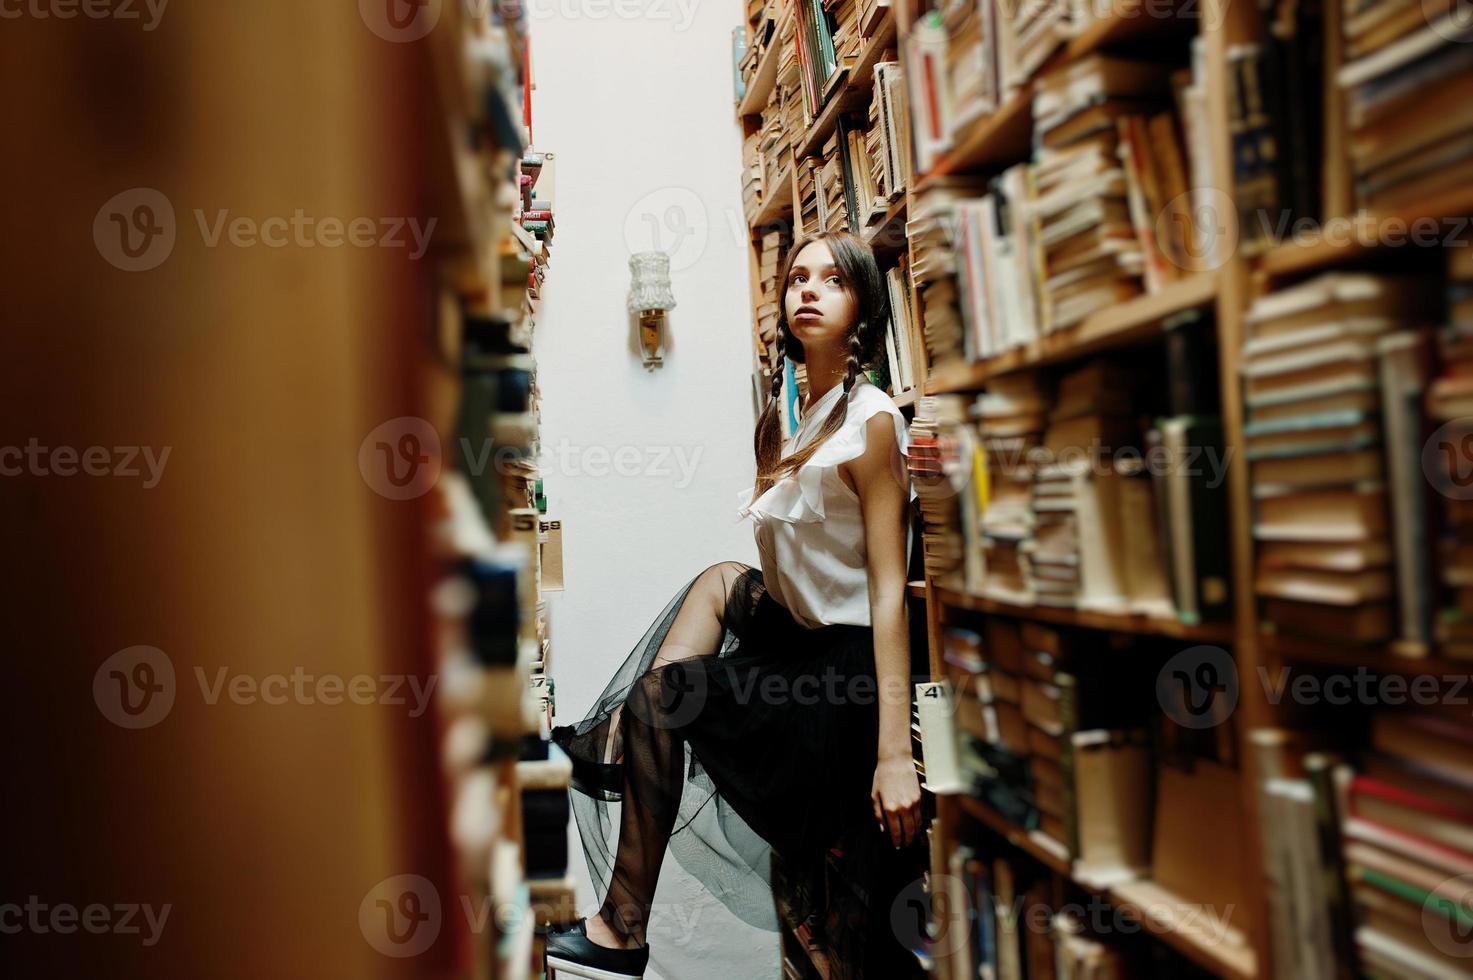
point(1330, 491)
point(1407, 73)
point(1092, 257)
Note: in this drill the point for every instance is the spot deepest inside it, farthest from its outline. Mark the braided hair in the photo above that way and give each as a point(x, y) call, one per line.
point(860, 274)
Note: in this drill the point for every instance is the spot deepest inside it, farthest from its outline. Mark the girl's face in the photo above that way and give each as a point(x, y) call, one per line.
point(819, 306)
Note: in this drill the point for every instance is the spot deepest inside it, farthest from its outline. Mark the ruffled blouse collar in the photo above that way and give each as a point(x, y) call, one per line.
point(798, 497)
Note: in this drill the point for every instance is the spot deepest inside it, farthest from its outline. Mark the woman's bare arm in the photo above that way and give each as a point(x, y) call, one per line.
point(879, 479)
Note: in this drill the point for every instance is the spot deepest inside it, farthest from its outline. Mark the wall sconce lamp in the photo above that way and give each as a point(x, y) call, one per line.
point(650, 297)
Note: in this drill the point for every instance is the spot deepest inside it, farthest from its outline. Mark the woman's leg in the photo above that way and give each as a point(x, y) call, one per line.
point(654, 759)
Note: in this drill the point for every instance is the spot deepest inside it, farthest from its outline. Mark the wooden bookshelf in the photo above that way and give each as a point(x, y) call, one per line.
point(1131, 322)
point(1221, 633)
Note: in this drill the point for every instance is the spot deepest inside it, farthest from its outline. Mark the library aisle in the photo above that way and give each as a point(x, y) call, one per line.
point(339, 490)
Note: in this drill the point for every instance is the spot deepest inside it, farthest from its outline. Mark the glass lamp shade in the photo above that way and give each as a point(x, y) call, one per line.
point(650, 287)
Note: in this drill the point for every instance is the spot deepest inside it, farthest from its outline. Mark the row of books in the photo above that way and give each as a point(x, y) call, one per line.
point(1056, 733)
point(534, 225)
point(1367, 854)
point(1106, 211)
point(863, 167)
point(1334, 374)
point(1276, 119)
point(1076, 493)
point(1449, 405)
point(1405, 77)
point(1017, 928)
point(496, 554)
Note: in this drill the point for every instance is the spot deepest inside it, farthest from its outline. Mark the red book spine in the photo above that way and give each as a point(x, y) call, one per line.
point(1366, 786)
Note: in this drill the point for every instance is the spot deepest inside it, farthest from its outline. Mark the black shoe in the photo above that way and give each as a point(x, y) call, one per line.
point(572, 954)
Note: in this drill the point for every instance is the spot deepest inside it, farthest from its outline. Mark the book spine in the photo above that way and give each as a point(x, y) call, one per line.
point(1320, 770)
point(1068, 686)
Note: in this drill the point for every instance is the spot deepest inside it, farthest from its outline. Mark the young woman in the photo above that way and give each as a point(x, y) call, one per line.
point(790, 683)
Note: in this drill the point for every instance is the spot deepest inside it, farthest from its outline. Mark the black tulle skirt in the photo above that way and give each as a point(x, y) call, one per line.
point(753, 766)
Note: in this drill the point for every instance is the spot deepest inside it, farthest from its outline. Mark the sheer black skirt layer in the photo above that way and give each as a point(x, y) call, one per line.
point(761, 746)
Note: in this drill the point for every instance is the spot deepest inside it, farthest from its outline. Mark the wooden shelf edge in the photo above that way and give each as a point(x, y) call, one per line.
point(888, 234)
point(763, 80)
point(1351, 239)
point(1379, 658)
point(861, 79)
point(777, 205)
point(1219, 633)
point(822, 127)
point(1130, 19)
point(1131, 320)
point(1015, 835)
point(1148, 903)
point(1003, 136)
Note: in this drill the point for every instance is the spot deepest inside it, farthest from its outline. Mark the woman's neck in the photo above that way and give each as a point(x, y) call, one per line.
point(825, 369)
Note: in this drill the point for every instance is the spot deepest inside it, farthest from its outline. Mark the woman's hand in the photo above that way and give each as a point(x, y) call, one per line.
point(896, 796)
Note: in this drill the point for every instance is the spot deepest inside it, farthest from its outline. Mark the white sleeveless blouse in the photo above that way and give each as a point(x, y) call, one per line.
point(809, 526)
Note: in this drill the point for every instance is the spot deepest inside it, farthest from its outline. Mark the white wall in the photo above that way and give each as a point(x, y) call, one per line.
point(639, 111)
